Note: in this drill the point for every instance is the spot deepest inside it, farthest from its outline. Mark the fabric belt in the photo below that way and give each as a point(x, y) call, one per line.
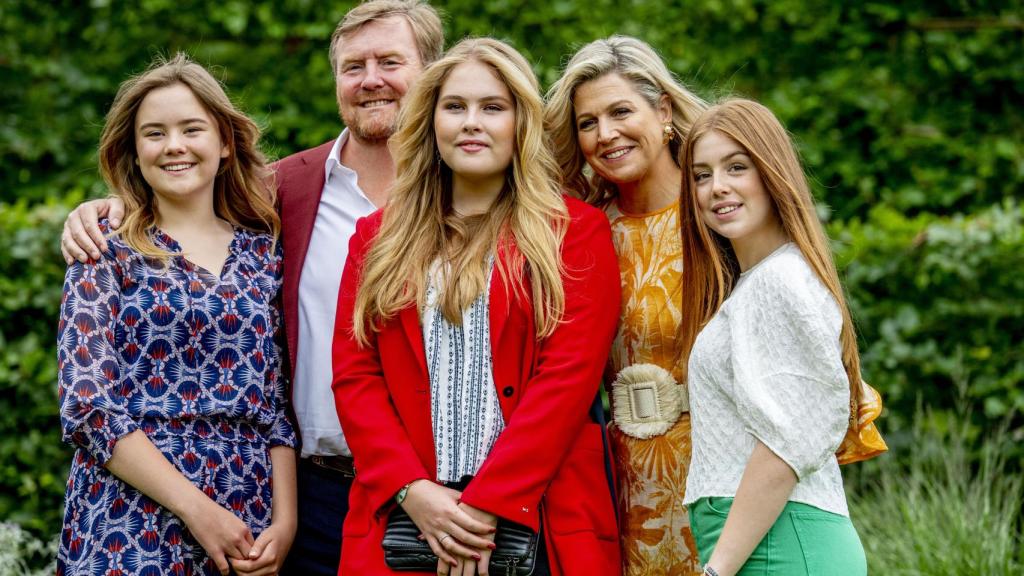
point(343, 465)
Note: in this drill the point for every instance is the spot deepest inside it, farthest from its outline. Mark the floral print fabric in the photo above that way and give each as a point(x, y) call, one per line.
point(191, 360)
point(655, 527)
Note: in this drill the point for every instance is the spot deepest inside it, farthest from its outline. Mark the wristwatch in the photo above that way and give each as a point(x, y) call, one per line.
point(402, 493)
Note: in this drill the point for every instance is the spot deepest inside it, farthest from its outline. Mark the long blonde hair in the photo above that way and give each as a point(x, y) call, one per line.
point(242, 192)
point(523, 229)
point(711, 266)
point(637, 63)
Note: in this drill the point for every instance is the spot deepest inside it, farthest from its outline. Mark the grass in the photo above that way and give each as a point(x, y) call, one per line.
point(942, 505)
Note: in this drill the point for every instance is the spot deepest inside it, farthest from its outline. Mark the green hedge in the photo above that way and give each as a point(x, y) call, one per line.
point(908, 116)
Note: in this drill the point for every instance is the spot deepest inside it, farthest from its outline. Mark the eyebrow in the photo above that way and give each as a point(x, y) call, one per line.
point(185, 121)
point(726, 157)
point(395, 55)
point(494, 98)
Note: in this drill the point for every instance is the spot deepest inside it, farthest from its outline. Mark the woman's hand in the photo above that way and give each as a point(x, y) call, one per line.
point(268, 553)
point(451, 532)
point(481, 565)
point(223, 536)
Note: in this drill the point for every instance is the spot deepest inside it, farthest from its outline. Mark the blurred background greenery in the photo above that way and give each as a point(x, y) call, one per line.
point(908, 114)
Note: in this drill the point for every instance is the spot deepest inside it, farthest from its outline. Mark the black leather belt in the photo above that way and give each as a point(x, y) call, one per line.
point(343, 465)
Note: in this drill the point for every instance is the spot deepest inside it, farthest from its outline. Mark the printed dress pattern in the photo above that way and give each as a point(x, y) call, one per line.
point(656, 536)
point(191, 360)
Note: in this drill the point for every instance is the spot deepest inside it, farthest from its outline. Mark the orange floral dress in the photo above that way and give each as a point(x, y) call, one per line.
point(656, 536)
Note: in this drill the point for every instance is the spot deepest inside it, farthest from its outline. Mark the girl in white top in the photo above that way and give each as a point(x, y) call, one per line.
point(772, 357)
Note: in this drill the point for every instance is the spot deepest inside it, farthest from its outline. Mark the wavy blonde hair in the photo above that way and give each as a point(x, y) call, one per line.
point(523, 229)
point(635, 61)
point(243, 193)
point(711, 266)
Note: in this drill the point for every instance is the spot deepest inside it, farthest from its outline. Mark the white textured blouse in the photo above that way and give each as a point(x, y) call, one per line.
point(768, 366)
point(465, 411)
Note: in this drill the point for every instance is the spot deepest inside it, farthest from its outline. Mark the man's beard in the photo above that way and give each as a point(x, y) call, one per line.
point(369, 126)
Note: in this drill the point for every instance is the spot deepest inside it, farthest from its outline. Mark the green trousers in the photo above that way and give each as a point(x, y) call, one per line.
point(804, 541)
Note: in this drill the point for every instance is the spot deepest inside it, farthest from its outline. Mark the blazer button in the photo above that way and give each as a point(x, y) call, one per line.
point(508, 391)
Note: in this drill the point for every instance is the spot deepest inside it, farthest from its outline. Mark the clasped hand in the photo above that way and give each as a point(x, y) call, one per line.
point(460, 535)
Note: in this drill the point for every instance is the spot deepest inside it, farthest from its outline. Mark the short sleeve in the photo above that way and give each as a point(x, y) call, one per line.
point(792, 391)
point(92, 396)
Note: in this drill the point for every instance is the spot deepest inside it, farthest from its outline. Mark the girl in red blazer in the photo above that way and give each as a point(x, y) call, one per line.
point(475, 316)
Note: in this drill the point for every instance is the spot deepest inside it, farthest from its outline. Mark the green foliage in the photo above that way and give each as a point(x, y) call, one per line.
point(907, 114)
point(21, 552)
point(945, 504)
point(33, 462)
point(937, 300)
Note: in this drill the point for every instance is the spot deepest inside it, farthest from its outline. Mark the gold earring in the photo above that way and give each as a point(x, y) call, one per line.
point(669, 133)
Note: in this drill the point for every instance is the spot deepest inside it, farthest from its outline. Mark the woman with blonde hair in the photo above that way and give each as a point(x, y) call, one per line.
point(619, 114)
point(170, 371)
point(773, 367)
point(459, 374)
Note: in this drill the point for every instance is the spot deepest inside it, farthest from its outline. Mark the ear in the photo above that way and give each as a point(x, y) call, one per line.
point(665, 108)
point(225, 151)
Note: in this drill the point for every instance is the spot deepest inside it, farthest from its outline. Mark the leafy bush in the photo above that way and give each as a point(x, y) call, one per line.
point(22, 554)
point(33, 461)
point(938, 300)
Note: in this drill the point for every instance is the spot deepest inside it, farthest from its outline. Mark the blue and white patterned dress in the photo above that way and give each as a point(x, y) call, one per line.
point(191, 360)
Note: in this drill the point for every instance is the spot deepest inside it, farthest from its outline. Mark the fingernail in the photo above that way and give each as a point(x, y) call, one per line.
point(492, 545)
point(476, 556)
point(492, 530)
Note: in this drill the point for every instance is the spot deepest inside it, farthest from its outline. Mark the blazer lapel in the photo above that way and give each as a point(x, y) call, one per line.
point(409, 318)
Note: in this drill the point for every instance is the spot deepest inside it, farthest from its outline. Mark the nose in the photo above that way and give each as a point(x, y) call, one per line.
point(718, 184)
point(605, 131)
point(175, 143)
point(472, 121)
point(372, 79)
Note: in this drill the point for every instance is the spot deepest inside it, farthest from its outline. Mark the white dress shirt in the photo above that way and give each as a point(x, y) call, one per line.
point(341, 204)
point(768, 366)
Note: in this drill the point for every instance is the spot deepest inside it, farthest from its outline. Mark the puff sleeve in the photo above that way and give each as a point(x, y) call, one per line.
point(791, 390)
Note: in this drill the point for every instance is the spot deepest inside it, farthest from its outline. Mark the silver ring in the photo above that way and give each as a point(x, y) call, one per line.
point(441, 541)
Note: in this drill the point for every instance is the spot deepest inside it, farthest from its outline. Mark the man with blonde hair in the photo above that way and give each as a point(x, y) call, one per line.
point(377, 51)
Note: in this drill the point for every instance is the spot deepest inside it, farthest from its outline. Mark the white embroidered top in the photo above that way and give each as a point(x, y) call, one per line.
point(465, 412)
point(769, 366)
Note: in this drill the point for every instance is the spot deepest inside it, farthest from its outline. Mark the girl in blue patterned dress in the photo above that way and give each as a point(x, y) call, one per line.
point(171, 383)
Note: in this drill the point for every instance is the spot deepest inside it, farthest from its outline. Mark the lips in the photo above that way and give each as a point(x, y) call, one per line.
point(616, 153)
point(375, 103)
point(725, 209)
point(471, 145)
point(177, 167)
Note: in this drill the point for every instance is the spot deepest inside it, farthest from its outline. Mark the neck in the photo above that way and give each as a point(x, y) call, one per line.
point(472, 196)
point(197, 214)
point(373, 164)
point(752, 249)
point(655, 191)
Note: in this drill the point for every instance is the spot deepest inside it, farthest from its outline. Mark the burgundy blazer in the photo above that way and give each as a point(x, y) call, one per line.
point(548, 461)
point(300, 182)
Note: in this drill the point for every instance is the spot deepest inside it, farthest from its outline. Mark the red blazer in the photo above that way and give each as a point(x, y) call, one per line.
point(300, 183)
point(547, 462)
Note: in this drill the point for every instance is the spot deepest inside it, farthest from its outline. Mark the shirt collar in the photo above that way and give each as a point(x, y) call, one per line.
point(334, 158)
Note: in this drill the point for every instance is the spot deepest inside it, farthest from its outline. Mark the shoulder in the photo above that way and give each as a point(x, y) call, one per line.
point(301, 161)
point(786, 285)
point(585, 219)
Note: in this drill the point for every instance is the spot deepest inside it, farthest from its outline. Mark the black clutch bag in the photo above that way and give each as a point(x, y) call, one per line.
point(515, 552)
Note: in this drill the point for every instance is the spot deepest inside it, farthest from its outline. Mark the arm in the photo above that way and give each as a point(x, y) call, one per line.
point(791, 392)
point(222, 534)
point(384, 453)
point(93, 410)
point(764, 489)
point(554, 409)
point(82, 238)
point(271, 548)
